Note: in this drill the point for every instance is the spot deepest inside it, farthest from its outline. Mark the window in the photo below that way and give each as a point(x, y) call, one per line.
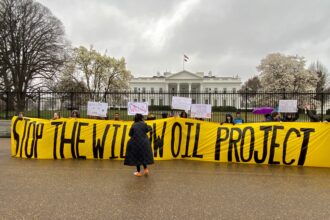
point(160, 102)
point(135, 90)
point(193, 101)
point(160, 90)
point(143, 100)
point(152, 90)
point(206, 90)
point(135, 100)
point(234, 90)
point(152, 102)
point(215, 90)
point(224, 102)
point(206, 101)
point(224, 90)
point(143, 90)
point(215, 102)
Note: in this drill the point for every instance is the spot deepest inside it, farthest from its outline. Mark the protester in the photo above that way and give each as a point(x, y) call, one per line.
point(229, 119)
point(138, 151)
point(20, 115)
point(57, 115)
point(313, 117)
point(116, 116)
point(164, 115)
point(290, 117)
point(183, 114)
point(276, 116)
point(75, 114)
point(151, 117)
point(268, 118)
point(238, 119)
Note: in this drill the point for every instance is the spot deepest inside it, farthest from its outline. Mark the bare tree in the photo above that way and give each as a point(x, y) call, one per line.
point(32, 47)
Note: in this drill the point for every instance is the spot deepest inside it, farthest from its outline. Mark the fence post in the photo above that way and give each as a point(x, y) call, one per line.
point(71, 100)
point(7, 105)
point(322, 104)
point(246, 101)
point(39, 98)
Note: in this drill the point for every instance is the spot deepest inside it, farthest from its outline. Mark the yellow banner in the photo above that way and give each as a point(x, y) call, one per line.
point(291, 143)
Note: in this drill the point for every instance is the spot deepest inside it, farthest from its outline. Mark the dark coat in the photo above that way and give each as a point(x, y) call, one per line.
point(138, 151)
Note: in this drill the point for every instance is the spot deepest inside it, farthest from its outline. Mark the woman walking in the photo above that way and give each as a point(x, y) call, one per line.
point(138, 151)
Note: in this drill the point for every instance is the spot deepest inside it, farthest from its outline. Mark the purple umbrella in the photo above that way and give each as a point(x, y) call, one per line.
point(263, 110)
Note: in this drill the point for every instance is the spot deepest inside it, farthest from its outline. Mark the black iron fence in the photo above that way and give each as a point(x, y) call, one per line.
point(44, 104)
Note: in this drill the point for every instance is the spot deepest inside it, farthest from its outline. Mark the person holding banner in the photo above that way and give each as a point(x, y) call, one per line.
point(229, 119)
point(138, 151)
point(183, 114)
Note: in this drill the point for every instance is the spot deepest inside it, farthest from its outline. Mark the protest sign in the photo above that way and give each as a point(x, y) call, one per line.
point(288, 106)
point(181, 103)
point(137, 108)
point(97, 109)
point(201, 111)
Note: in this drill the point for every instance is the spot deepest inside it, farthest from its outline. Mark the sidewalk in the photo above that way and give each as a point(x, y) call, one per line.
point(177, 189)
point(4, 128)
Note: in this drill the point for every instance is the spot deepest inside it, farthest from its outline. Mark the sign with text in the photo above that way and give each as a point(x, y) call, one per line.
point(181, 103)
point(288, 106)
point(134, 108)
point(201, 111)
point(97, 109)
point(286, 143)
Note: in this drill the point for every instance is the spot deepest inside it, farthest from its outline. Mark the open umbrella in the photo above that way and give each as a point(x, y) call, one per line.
point(263, 110)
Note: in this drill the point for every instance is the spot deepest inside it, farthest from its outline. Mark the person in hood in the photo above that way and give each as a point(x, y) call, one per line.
point(138, 151)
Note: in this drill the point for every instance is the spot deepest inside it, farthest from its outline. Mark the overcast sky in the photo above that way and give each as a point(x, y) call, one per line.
point(227, 37)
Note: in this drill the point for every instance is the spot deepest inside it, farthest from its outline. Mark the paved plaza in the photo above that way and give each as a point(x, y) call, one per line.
point(178, 189)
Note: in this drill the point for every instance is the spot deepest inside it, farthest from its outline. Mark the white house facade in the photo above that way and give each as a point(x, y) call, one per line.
point(201, 88)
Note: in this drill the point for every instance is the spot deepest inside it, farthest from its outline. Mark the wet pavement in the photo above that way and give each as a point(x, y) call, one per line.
point(95, 189)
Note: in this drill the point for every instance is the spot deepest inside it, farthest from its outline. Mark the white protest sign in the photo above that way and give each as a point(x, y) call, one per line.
point(181, 103)
point(201, 111)
point(97, 109)
point(288, 106)
point(137, 108)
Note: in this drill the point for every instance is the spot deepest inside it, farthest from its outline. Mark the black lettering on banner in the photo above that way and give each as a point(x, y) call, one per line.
point(26, 120)
point(113, 145)
point(196, 142)
point(274, 145)
point(188, 139)
point(304, 146)
point(70, 140)
point(122, 144)
point(252, 138)
point(266, 129)
point(15, 134)
point(80, 140)
point(233, 144)
point(159, 141)
point(219, 140)
point(175, 125)
point(39, 132)
point(33, 126)
point(285, 143)
point(98, 147)
point(56, 123)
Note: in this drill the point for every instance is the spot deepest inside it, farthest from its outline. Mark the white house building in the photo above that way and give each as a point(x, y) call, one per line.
point(203, 89)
